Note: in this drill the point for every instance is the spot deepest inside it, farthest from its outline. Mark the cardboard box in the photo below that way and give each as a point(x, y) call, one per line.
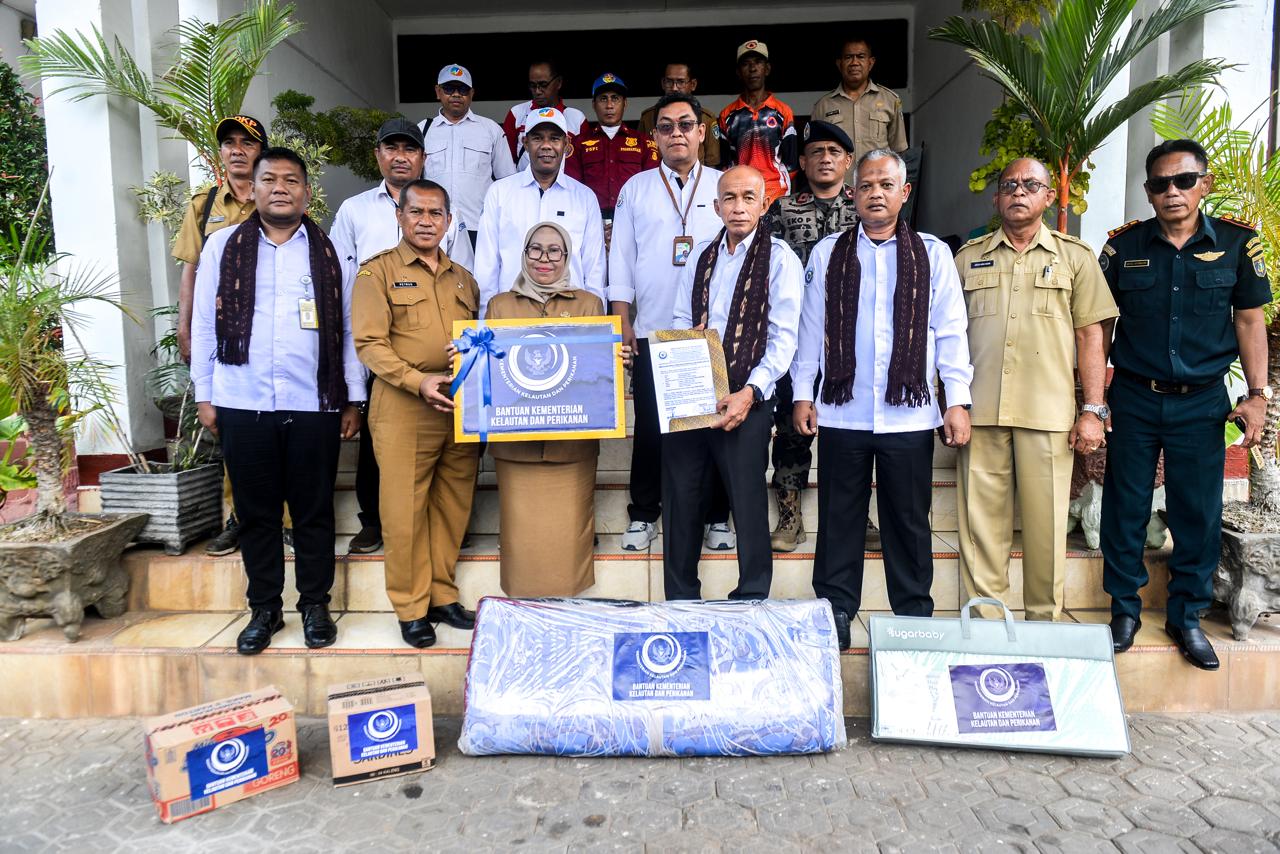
point(212, 755)
point(380, 728)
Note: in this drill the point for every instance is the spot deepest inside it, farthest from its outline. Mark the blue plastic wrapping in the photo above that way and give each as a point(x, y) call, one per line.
point(581, 677)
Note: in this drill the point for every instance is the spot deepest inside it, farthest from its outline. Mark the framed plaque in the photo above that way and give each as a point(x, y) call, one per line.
point(689, 378)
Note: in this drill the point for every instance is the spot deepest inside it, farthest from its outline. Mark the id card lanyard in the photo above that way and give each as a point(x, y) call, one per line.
point(308, 317)
point(682, 246)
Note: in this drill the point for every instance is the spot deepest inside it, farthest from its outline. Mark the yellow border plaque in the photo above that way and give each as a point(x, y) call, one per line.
point(719, 375)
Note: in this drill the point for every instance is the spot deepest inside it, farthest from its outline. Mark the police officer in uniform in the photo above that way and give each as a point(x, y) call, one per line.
point(1191, 288)
point(406, 300)
point(802, 219)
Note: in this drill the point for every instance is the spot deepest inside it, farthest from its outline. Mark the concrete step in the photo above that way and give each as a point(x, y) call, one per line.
point(147, 663)
point(194, 582)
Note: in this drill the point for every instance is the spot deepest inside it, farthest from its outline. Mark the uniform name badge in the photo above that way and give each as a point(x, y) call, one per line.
point(681, 249)
point(307, 316)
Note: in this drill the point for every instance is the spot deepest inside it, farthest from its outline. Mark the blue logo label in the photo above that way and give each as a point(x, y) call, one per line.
point(383, 732)
point(661, 666)
point(1001, 698)
point(226, 764)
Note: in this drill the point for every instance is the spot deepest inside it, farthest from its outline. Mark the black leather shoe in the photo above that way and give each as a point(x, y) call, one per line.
point(418, 632)
point(454, 615)
point(318, 628)
point(256, 636)
point(1195, 646)
point(1123, 630)
point(367, 541)
point(842, 630)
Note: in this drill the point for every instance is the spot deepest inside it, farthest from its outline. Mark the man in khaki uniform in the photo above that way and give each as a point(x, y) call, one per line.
point(870, 114)
point(1036, 299)
point(406, 300)
point(240, 141)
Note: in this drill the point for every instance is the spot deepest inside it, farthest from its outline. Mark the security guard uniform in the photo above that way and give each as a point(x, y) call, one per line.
point(1024, 308)
point(1174, 342)
point(402, 322)
point(802, 219)
point(605, 163)
point(872, 121)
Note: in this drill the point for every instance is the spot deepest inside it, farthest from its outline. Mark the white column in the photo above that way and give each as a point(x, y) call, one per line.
point(94, 154)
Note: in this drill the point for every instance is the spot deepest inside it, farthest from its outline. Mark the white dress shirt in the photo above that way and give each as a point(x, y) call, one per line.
point(645, 224)
point(465, 157)
point(280, 374)
point(516, 204)
point(785, 296)
point(948, 347)
point(366, 224)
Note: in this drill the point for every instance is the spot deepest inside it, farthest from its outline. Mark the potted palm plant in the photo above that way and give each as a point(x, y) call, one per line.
point(1246, 184)
point(54, 563)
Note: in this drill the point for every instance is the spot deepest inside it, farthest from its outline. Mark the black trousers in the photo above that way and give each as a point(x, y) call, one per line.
point(646, 451)
point(274, 457)
point(367, 478)
point(845, 459)
point(691, 462)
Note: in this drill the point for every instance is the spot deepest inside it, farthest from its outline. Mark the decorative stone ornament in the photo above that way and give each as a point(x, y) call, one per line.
point(1247, 579)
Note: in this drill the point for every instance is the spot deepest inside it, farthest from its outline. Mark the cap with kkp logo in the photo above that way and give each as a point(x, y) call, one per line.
point(608, 82)
point(545, 116)
point(248, 124)
point(753, 46)
point(454, 74)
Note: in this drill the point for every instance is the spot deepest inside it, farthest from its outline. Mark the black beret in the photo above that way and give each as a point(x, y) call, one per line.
point(820, 131)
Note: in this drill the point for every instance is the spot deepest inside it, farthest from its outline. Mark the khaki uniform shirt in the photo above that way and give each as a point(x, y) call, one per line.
point(1024, 309)
point(402, 314)
point(801, 221)
point(513, 306)
point(226, 211)
point(873, 121)
point(708, 152)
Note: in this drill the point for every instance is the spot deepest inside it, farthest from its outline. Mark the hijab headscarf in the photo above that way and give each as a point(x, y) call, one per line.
point(526, 285)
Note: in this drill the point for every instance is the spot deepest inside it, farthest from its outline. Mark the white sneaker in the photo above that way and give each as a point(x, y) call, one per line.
point(719, 538)
point(638, 536)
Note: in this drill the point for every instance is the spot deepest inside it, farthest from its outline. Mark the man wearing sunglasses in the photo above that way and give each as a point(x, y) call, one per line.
point(1191, 288)
point(544, 90)
point(1038, 308)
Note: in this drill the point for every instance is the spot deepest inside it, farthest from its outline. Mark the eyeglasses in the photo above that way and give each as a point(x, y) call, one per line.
point(534, 252)
point(539, 85)
point(667, 128)
point(1031, 185)
point(1183, 181)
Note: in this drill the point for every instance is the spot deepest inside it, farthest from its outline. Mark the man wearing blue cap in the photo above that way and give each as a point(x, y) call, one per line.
point(609, 152)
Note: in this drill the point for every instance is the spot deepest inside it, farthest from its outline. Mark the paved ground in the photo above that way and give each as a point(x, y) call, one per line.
point(1198, 783)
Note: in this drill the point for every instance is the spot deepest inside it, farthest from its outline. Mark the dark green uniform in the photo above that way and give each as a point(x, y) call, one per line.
point(1174, 341)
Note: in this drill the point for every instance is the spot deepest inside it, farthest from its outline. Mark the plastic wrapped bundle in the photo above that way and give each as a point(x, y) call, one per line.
point(579, 677)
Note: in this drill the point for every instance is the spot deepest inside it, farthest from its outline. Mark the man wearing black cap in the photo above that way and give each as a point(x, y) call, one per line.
point(802, 219)
point(240, 141)
point(608, 151)
point(365, 225)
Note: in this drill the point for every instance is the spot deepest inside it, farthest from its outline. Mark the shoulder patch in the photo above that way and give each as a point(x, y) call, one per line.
point(1122, 229)
point(1108, 249)
point(1236, 221)
point(804, 198)
point(363, 273)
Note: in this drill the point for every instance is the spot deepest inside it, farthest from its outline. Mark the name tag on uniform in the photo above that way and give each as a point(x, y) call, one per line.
point(404, 285)
point(217, 219)
point(681, 249)
point(1141, 262)
point(308, 318)
point(987, 263)
point(831, 113)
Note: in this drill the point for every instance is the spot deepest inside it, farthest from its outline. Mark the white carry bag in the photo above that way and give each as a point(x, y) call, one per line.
point(1048, 687)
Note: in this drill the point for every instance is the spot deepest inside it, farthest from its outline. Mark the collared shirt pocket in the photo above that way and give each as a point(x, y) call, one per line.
point(1213, 290)
point(1052, 296)
point(1136, 291)
point(436, 156)
point(408, 308)
point(467, 303)
point(982, 294)
point(477, 159)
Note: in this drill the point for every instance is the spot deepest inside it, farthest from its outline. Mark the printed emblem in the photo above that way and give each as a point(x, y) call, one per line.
point(590, 143)
point(547, 112)
point(979, 264)
point(751, 45)
point(771, 121)
point(808, 275)
point(1259, 267)
point(1140, 262)
point(1104, 261)
point(455, 70)
point(1209, 256)
point(608, 78)
point(631, 140)
point(807, 129)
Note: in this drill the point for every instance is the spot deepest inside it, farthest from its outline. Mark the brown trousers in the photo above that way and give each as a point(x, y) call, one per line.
point(428, 481)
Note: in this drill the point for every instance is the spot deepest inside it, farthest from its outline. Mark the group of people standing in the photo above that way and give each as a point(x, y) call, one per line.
point(839, 321)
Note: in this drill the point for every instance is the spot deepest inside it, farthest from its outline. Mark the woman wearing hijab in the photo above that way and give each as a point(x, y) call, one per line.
point(546, 552)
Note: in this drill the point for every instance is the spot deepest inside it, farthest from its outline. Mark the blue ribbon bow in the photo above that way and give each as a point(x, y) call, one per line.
point(474, 343)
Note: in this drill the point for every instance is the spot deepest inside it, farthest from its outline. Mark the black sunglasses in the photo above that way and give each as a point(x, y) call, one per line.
point(1183, 181)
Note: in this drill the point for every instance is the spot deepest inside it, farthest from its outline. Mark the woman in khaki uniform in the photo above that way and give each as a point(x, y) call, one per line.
point(546, 554)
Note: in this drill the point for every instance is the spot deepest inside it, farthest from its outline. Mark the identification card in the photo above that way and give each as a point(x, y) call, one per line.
point(307, 316)
point(681, 249)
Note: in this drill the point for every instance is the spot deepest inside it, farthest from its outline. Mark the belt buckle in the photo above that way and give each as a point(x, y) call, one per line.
point(1160, 387)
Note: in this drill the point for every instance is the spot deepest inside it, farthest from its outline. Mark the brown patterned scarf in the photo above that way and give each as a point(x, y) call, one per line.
point(746, 330)
point(236, 291)
point(907, 385)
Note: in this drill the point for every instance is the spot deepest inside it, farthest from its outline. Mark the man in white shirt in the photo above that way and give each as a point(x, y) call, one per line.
point(365, 225)
point(464, 153)
point(884, 317)
point(660, 215)
point(277, 381)
point(541, 193)
point(544, 85)
point(745, 284)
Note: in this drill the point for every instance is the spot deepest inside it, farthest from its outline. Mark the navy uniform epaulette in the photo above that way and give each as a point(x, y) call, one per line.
point(1115, 232)
point(1236, 221)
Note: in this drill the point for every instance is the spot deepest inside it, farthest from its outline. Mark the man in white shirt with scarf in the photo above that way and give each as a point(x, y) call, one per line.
point(884, 316)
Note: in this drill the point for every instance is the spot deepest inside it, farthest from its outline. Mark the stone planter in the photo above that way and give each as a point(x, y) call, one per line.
point(184, 506)
point(1247, 579)
point(61, 579)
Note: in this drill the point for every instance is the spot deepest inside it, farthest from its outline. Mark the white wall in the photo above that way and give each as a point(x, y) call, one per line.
point(11, 46)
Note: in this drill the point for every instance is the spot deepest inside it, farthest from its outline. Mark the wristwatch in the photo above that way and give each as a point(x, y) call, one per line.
point(1265, 392)
point(1099, 409)
point(757, 396)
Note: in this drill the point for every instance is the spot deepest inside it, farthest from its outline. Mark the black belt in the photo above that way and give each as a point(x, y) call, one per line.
point(1163, 387)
